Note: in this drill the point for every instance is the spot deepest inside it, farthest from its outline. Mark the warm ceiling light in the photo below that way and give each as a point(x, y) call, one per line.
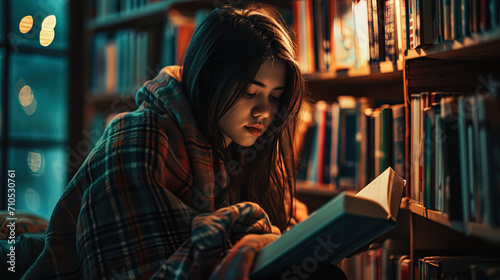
point(26, 24)
point(26, 96)
point(47, 33)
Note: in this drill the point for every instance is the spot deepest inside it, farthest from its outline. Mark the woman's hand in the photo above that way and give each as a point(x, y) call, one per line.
point(238, 262)
point(300, 212)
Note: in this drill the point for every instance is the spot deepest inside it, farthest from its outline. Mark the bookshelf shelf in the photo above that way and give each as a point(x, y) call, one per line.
point(384, 71)
point(318, 189)
point(112, 102)
point(474, 47)
point(148, 15)
point(485, 232)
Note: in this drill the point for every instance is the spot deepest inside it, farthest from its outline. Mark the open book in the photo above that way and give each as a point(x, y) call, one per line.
point(340, 227)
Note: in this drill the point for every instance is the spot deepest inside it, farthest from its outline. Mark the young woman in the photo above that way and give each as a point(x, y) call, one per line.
point(201, 176)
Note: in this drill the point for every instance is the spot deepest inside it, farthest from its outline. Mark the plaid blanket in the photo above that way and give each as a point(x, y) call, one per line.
point(148, 202)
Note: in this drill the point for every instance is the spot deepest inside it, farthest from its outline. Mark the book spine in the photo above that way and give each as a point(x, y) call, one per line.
point(447, 34)
point(429, 166)
point(377, 143)
point(334, 155)
point(347, 148)
point(317, 35)
point(362, 41)
point(371, 146)
point(325, 45)
point(371, 34)
point(471, 163)
point(485, 166)
point(451, 150)
point(478, 187)
point(398, 148)
point(343, 23)
point(439, 188)
point(386, 138)
point(390, 31)
point(456, 21)
point(491, 109)
point(400, 32)
point(415, 146)
point(424, 103)
point(462, 140)
point(321, 108)
point(361, 142)
point(376, 30)
point(464, 16)
point(325, 179)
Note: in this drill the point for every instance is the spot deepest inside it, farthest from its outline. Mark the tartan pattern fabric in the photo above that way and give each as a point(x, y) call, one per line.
point(143, 204)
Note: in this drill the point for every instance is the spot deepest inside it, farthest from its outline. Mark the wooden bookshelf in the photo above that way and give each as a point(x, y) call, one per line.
point(474, 47)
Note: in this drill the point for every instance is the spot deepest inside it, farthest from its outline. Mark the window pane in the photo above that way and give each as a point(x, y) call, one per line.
point(40, 178)
point(38, 97)
point(2, 65)
point(2, 9)
point(39, 23)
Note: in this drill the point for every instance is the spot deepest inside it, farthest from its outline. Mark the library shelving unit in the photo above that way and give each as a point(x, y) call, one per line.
point(453, 66)
point(461, 66)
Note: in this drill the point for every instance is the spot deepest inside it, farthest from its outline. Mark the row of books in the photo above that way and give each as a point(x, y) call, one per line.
point(112, 8)
point(383, 261)
point(455, 148)
point(348, 143)
point(335, 35)
point(120, 61)
point(433, 22)
point(177, 34)
point(457, 267)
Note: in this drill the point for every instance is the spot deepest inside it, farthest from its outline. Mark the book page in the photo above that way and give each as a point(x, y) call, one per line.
point(387, 190)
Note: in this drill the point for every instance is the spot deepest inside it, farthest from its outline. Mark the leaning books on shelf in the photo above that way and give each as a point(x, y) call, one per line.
point(347, 143)
point(457, 267)
point(432, 22)
point(339, 35)
point(120, 61)
point(455, 142)
point(112, 8)
point(340, 227)
point(381, 261)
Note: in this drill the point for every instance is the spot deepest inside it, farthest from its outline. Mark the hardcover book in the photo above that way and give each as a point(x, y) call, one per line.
point(340, 227)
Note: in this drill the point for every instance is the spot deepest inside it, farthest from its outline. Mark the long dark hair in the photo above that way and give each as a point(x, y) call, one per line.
point(223, 57)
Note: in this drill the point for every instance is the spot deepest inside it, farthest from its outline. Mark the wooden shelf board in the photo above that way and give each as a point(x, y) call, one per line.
point(146, 13)
point(482, 231)
point(432, 215)
point(485, 232)
point(470, 47)
point(318, 189)
point(384, 71)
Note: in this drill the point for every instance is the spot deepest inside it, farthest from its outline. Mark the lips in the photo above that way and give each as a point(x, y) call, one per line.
point(255, 129)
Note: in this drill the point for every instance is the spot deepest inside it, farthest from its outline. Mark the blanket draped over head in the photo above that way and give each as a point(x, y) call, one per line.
point(149, 200)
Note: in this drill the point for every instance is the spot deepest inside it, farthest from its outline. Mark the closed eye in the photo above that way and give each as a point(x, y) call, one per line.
point(274, 98)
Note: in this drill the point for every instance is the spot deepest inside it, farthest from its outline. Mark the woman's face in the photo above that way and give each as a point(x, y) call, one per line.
point(253, 113)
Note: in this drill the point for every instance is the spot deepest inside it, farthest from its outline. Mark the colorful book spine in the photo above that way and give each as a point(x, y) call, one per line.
point(415, 146)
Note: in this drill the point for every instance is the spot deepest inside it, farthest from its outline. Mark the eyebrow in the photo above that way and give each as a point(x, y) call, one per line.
point(262, 85)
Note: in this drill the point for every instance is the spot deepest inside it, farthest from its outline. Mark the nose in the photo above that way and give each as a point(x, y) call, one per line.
point(261, 108)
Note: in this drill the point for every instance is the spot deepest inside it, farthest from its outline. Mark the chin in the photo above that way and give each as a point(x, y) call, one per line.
point(245, 142)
